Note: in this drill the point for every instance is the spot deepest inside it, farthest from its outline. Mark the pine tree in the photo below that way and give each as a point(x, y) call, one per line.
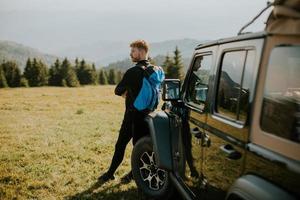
point(111, 77)
point(102, 77)
point(176, 69)
point(80, 68)
point(77, 69)
point(3, 82)
point(43, 74)
point(94, 75)
point(55, 77)
point(36, 72)
point(30, 72)
point(68, 74)
point(12, 73)
point(76, 64)
point(86, 73)
point(167, 65)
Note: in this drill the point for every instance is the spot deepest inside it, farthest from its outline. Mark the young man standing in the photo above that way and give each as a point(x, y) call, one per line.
point(133, 125)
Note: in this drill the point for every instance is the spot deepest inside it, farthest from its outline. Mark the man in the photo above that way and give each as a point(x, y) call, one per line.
point(133, 125)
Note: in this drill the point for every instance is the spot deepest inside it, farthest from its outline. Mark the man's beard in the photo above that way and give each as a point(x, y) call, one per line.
point(135, 59)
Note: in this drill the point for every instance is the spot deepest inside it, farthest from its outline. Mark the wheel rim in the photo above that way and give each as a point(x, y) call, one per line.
point(150, 173)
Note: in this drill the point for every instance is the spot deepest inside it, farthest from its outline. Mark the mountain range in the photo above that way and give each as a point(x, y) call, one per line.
point(102, 53)
point(105, 52)
point(20, 53)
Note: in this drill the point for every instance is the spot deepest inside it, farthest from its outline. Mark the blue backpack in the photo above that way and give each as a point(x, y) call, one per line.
point(148, 97)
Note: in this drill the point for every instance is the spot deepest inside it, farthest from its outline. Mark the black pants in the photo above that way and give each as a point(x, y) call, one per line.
point(133, 126)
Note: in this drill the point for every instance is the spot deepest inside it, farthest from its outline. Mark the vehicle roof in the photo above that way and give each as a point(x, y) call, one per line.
point(245, 36)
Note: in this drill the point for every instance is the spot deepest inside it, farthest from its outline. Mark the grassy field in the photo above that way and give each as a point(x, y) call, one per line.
point(55, 142)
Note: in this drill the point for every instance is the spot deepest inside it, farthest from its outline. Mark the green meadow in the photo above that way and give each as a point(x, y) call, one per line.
point(55, 142)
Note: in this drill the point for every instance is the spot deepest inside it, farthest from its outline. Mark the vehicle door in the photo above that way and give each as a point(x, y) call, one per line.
point(195, 99)
point(227, 124)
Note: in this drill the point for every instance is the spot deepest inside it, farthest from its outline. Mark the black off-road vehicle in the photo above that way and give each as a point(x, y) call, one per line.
point(232, 130)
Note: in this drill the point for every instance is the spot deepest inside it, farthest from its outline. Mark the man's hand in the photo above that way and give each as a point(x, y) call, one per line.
point(124, 95)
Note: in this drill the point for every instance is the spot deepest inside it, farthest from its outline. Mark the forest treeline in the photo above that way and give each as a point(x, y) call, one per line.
point(64, 73)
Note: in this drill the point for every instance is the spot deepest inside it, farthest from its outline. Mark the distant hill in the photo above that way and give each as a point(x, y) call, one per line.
point(20, 53)
point(106, 52)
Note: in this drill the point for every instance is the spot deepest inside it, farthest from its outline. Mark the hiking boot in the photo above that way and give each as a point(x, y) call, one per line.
point(127, 178)
point(106, 177)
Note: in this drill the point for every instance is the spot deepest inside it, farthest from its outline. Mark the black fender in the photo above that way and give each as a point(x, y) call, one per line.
point(160, 133)
point(254, 187)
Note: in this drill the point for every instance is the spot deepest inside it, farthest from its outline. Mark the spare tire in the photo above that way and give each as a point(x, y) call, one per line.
point(153, 181)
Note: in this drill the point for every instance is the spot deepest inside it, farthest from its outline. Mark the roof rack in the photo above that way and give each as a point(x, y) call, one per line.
point(269, 4)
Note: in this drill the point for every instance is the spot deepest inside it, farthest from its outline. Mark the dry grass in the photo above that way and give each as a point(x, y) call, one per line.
point(56, 141)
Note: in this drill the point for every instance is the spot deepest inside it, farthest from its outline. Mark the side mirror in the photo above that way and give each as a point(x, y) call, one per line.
point(171, 90)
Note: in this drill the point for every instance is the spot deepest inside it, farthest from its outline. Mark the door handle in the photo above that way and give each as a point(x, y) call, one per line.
point(231, 153)
point(196, 132)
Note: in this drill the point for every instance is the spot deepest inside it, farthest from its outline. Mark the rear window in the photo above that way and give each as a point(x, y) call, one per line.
point(281, 101)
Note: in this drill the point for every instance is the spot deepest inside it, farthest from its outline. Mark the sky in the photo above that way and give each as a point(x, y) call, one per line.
point(50, 25)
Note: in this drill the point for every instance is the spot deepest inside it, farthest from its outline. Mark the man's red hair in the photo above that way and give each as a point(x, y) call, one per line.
point(140, 44)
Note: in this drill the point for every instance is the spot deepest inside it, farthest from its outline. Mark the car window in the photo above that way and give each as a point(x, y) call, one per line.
point(198, 82)
point(280, 114)
point(235, 85)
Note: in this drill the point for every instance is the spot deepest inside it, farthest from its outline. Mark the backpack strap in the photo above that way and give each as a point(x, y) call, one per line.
point(144, 68)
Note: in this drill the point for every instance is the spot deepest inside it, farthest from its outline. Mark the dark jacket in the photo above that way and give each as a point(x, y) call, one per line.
point(132, 82)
